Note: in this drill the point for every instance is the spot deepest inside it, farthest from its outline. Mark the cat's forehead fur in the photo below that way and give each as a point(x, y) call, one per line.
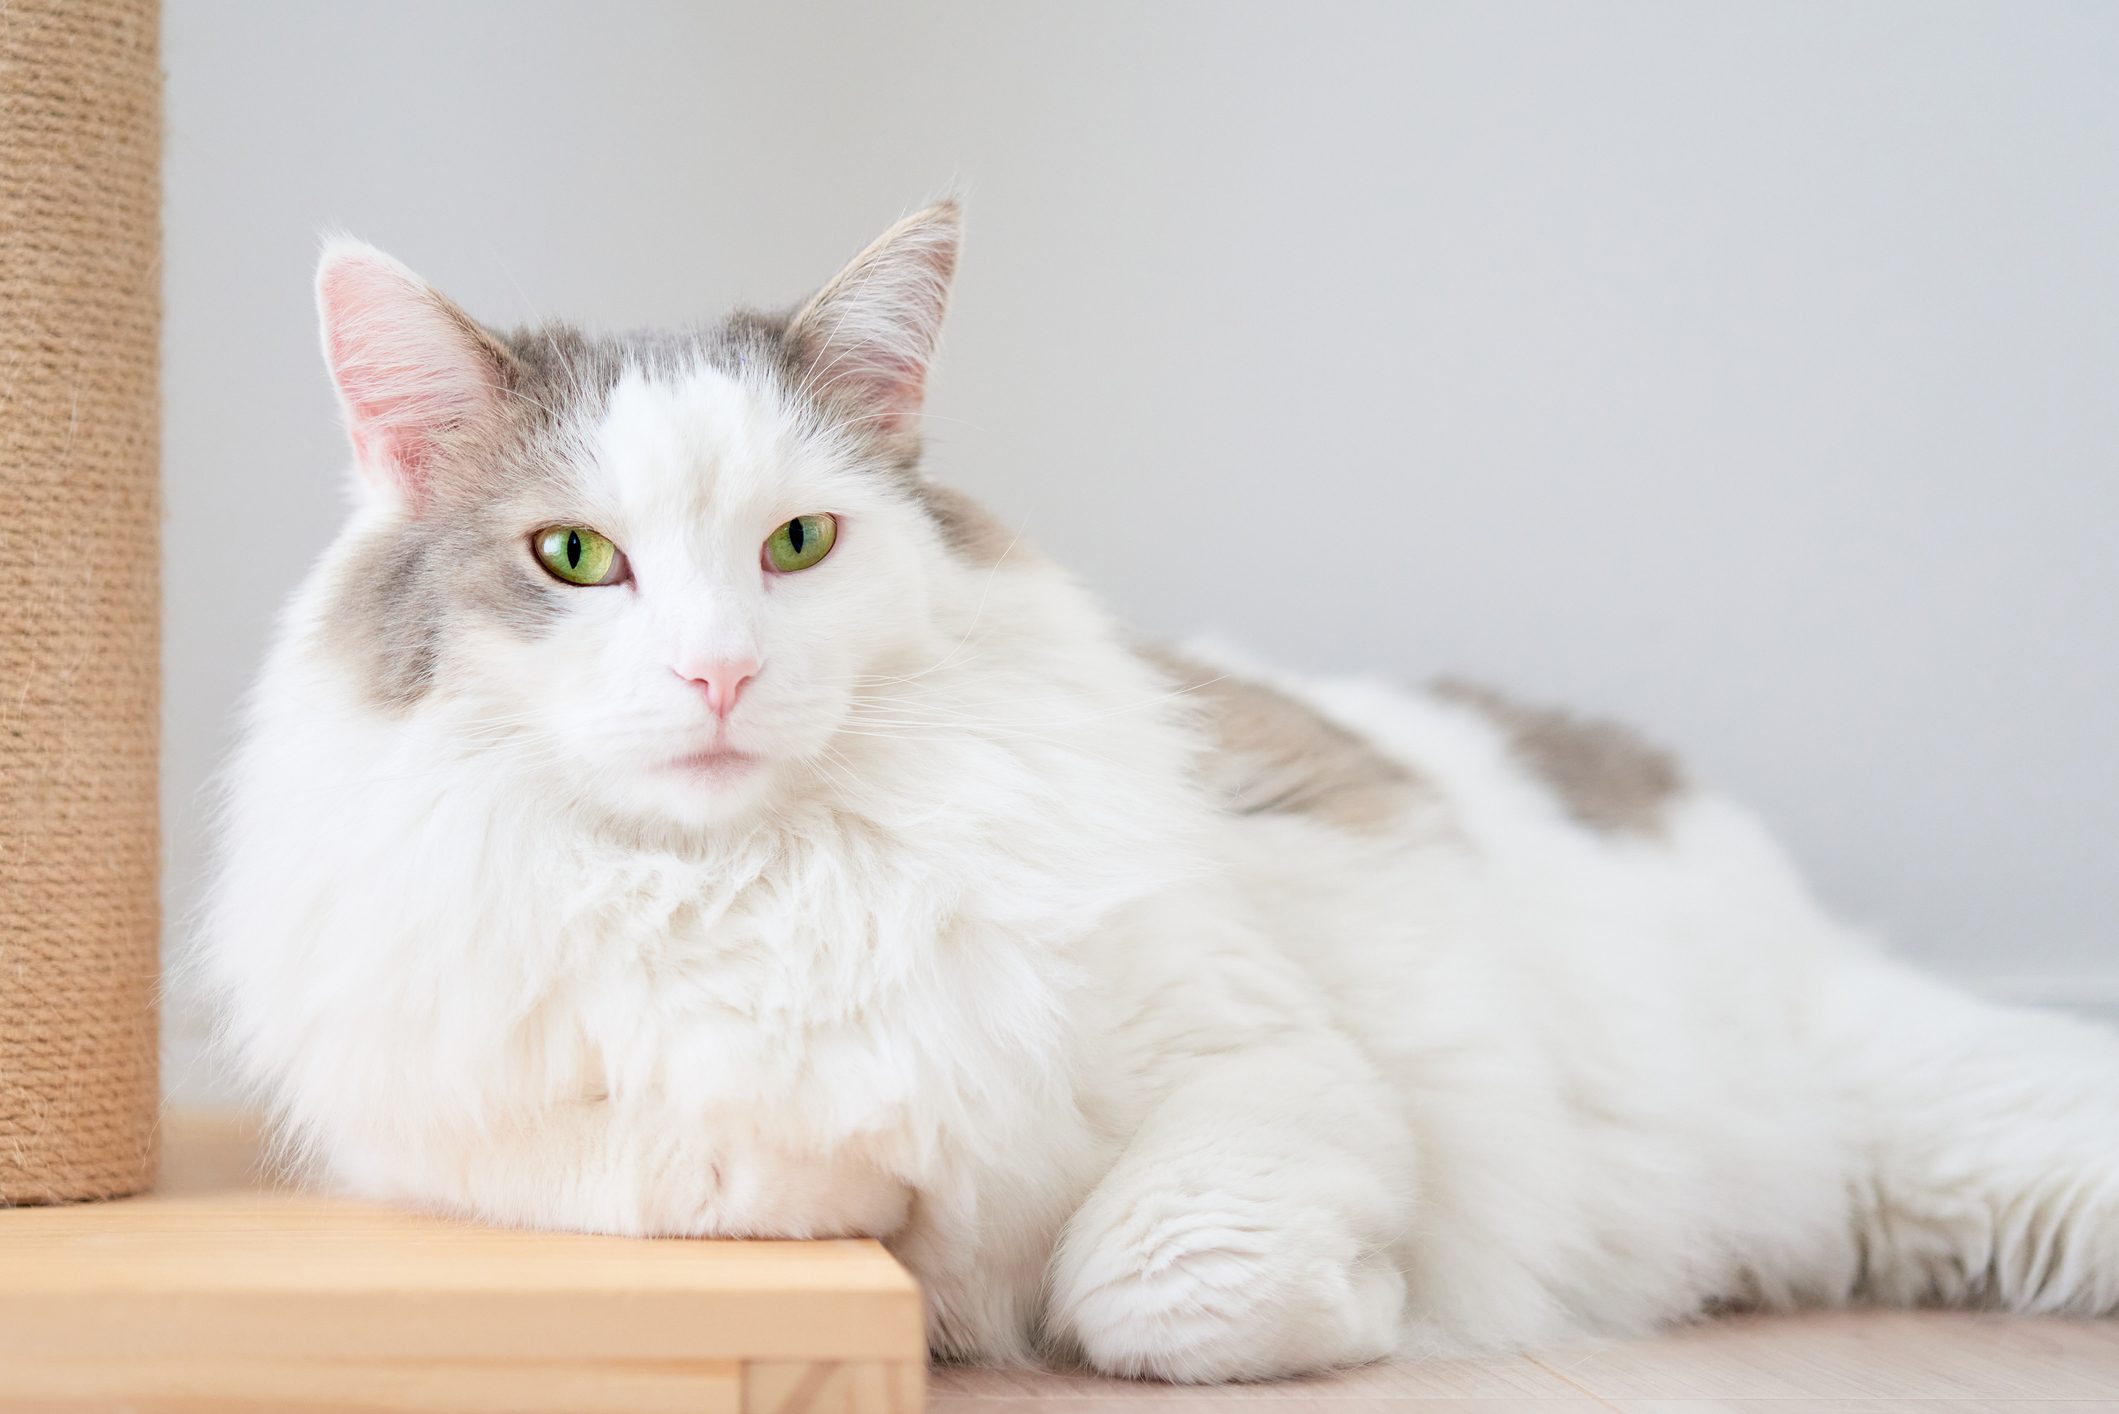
point(567, 375)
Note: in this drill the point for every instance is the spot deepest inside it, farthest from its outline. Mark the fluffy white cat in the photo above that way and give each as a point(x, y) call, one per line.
point(666, 811)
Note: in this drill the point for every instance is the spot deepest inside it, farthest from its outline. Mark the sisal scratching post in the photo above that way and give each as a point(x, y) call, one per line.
point(80, 307)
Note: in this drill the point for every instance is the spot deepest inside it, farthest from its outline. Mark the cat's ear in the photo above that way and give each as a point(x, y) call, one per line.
point(415, 374)
point(864, 341)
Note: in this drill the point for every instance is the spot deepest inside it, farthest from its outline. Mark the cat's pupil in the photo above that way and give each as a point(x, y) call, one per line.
point(573, 549)
point(794, 535)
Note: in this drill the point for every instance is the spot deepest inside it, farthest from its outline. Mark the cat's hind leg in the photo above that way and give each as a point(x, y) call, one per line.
point(1984, 1144)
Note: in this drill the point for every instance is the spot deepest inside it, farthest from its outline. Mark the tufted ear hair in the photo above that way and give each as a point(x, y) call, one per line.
point(414, 372)
point(864, 341)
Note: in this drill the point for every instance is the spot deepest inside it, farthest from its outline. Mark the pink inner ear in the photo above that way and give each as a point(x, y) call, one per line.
point(891, 397)
point(408, 369)
point(872, 330)
point(867, 360)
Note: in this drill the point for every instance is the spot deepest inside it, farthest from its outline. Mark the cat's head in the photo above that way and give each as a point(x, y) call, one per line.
point(658, 571)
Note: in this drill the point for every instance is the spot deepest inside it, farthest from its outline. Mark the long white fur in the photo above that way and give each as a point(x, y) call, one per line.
point(974, 965)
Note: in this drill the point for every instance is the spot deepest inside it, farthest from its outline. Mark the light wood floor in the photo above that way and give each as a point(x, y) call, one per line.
point(1872, 1362)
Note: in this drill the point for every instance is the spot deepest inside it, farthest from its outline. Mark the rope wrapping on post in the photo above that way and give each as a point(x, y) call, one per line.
point(80, 598)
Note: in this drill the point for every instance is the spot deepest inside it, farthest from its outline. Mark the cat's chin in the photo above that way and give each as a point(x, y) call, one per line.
point(717, 765)
point(704, 789)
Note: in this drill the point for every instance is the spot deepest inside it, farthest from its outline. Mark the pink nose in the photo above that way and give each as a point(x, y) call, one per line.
point(722, 682)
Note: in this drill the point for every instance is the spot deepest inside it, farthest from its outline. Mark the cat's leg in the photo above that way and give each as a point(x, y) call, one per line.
point(1247, 1231)
point(1985, 1145)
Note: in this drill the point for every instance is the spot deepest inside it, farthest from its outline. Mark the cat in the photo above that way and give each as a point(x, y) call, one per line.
point(666, 810)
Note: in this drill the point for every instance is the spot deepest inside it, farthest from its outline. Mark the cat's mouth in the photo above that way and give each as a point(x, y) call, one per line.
point(718, 763)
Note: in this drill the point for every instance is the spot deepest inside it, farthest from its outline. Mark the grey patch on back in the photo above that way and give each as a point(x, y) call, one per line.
point(1275, 755)
point(1607, 777)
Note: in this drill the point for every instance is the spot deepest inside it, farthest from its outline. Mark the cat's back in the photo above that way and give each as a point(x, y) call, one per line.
point(1386, 827)
point(1368, 757)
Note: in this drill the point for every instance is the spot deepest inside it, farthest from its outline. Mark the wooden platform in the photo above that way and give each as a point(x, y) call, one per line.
point(221, 1293)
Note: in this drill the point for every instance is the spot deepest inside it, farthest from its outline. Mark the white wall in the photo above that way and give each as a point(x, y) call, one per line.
point(1750, 370)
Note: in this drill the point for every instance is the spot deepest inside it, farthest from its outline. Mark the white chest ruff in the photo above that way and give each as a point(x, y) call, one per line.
point(786, 1041)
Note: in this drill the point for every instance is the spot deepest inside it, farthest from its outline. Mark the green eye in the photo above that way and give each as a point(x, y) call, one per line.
point(578, 555)
point(801, 543)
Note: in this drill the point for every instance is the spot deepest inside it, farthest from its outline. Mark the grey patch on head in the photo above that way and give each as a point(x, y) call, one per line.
point(1607, 777)
point(398, 601)
point(1275, 755)
point(571, 373)
point(565, 375)
point(383, 615)
point(401, 596)
point(972, 533)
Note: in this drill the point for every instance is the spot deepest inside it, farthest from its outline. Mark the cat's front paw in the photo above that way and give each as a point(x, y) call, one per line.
point(1202, 1286)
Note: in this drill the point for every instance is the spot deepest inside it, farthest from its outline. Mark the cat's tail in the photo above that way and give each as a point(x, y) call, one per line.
point(1984, 1144)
